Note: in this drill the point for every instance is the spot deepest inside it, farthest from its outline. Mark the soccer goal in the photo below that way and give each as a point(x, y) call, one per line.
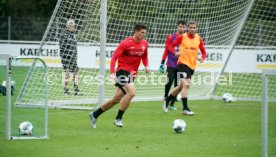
point(13, 82)
point(268, 115)
point(239, 38)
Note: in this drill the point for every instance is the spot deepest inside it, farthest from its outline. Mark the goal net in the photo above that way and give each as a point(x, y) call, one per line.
point(235, 34)
point(254, 51)
point(13, 71)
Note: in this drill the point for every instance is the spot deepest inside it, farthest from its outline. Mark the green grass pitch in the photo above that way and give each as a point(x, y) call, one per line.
point(218, 129)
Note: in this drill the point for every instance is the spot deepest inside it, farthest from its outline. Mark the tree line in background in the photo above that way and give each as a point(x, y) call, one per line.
point(24, 19)
point(27, 8)
point(44, 8)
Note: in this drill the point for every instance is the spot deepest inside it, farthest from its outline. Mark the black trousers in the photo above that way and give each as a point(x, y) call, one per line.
point(172, 77)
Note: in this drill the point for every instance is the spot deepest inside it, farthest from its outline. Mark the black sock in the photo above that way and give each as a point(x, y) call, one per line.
point(167, 90)
point(169, 99)
point(172, 102)
point(185, 105)
point(98, 112)
point(120, 114)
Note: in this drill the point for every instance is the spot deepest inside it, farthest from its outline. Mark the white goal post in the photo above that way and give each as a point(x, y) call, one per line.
point(38, 116)
point(265, 100)
point(239, 39)
point(7, 59)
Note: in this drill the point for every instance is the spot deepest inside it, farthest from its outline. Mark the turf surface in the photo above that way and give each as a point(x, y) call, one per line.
point(218, 129)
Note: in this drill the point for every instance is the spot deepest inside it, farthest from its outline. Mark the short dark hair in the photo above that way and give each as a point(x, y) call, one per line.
point(139, 26)
point(191, 22)
point(182, 22)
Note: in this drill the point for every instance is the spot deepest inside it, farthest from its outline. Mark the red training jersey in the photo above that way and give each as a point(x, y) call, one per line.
point(129, 54)
point(172, 59)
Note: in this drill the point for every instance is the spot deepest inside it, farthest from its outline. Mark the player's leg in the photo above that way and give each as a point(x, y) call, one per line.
point(65, 66)
point(173, 94)
point(168, 85)
point(66, 81)
point(184, 95)
point(106, 106)
point(66, 57)
point(114, 100)
point(185, 89)
point(180, 75)
point(170, 77)
point(174, 79)
point(75, 70)
point(110, 103)
point(130, 91)
point(76, 81)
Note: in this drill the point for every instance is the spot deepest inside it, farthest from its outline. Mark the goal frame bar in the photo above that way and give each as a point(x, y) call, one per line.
point(9, 59)
point(265, 100)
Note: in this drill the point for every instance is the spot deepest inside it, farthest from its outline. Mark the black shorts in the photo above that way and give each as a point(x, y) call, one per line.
point(172, 75)
point(123, 77)
point(69, 61)
point(184, 72)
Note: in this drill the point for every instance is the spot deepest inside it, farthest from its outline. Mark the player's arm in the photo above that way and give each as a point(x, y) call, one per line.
point(202, 50)
point(117, 53)
point(176, 42)
point(145, 60)
point(165, 54)
point(166, 51)
point(62, 43)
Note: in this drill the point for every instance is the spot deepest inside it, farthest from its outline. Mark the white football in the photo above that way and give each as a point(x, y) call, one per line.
point(179, 125)
point(25, 128)
point(178, 97)
point(227, 97)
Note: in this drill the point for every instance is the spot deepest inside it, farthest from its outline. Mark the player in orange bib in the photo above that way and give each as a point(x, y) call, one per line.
point(189, 45)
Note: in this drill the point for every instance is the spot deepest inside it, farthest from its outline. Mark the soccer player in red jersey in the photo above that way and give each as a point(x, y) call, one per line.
point(129, 54)
point(171, 62)
point(189, 45)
